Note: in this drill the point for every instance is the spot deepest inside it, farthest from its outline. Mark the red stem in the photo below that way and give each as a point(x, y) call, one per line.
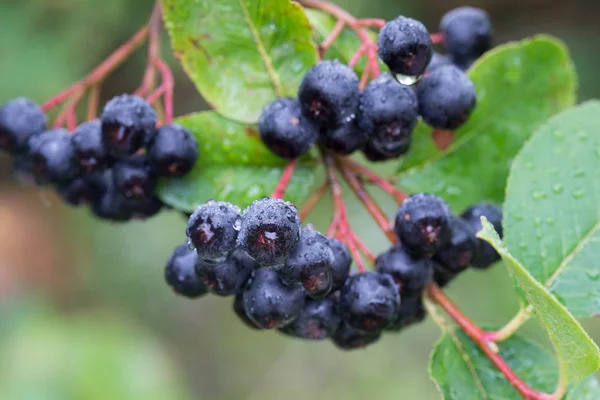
point(363, 247)
point(154, 25)
point(67, 114)
point(312, 201)
point(437, 295)
point(93, 101)
point(156, 95)
point(442, 138)
point(357, 55)
point(437, 38)
point(169, 83)
point(284, 181)
point(371, 23)
point(335, 32)
point(381, 182)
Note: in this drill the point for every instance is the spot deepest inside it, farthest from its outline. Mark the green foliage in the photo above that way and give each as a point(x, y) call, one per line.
point(241, 54)
point(519, 85)
point(578, 356)
point(552, 209)
point(233, 165)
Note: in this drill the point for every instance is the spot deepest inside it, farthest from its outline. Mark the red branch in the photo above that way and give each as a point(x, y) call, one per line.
point(381, 182)
point(442, 138)
point(154, 25)
point(335, 32)
point(284, 181)
point(371, 23)
point(437, 38)
point(93, 101)
point(169, 84)
point(312, 201)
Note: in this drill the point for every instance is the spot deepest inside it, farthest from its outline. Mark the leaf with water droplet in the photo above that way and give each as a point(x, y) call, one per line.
point(222, 173)
point(509, 109)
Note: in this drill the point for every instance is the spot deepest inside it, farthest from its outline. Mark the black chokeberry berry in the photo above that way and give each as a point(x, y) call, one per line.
point(319, 319)
point(369, 302)
point(173, 151)
point(405, 46)
point(410, 273)
point(458, 253)
point(229, 277)
point(411, 312)
point(111, 205)
point(269, 303)
point(437, 60)
point(128, 123)
point(329, 93)
point(348, 338)
point(374, 153)
point(270, 231)
point(23, 169)
point(89, 147)
point(213, 229)
point(344, 138)
point(423, 223)
point(83, 189)
point(485, 255)
point(285, 130)
point(441, 275)
point(134, 178)
point(52, 157)
point(240, 311)
point(446, 97)
point(310, 264)
point(180, 273)
point(467, 33)
point(342, 262)
point(388, 112)
point(145, 208)
point(20, 119)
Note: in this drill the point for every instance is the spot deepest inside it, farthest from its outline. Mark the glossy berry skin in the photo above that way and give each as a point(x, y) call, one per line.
point(285, 130)
point(53, 157)
point(411, 312)
point(89, 147)
point(344, 138)
point(319, 319)
point(229, 277)
point(437, 60)
point(441, 275)
point(134, 178)
point(173, 151)
point(405, 46)
point(348, 338)
point(82, 190)
point(374, 153)
point(213, 229)
point(388, 112)
point(269, 303)
point(410, 273)
point(128, 124)
point(446, 97)
point(270, 231)
point(459, 252)
point(485, 255)
point(180, 273)
point(369, 301)
point(310, 264)
point(329, 93)
point(423, 223)
point(240, 311)
point(146, 208)
point(20, 119)
point(467, 32)
point(111, 205)
point(342, 261)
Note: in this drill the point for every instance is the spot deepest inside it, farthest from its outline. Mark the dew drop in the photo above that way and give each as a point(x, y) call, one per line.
point(408, 79)
point(537, 221)
point(559, 135)
point(538, 194)
point(557, 188)
point(579, 172)
point(522, 245)
point(550, 221)
point(237, 224)
point(593, 274)
point(578, 194)
point(191, 245)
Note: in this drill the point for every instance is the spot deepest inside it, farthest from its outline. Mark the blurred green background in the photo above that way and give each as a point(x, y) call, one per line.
point(84, 311)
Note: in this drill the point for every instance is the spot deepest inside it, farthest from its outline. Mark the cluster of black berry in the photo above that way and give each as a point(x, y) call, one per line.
point(297, 280)
point(379, 120)
point(111, 163)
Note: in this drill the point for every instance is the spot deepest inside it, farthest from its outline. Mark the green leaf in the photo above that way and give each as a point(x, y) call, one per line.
point(241, 54)
point(578, 356)
point(233, 165)
point(519, 85)
point(552, 208)
point(463, 372)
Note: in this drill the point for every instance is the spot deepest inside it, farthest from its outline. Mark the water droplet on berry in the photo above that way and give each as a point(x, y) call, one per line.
point(237, 224)
point(191, 245)
point(408, 79)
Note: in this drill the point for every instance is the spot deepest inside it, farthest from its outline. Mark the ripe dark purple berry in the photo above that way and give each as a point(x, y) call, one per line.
point(467, 33)
point(82, 190)
point(229, 277)
point(348, 338)
point(405, 46)
point(20, 119)
point(374, 153)
point(173, 150)
point(270, 231)
point(410, 273)
point(329, 93)
point(411, 312)
point(52, 157)
point(145, 208)
point(341, 263)
point(459, 252)
point(388, 112)
point(128, 123)
point(180, 273)
point(423, 223)
point(240, 311)
point(437, 60)
point(369, 301)
point(446, 97)
point(441, 275)
point(134, 178)
point(269, 303)
point(213, 229)
point(310, 265)
point(319, 319)
point(486, 255)
point(344, 138)
point(111, 205)
point(89, 147)
point(285, 130)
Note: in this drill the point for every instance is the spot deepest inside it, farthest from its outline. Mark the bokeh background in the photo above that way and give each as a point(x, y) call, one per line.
point(84, 311)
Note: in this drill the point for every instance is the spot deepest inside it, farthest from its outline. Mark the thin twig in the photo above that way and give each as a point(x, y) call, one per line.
point(93, 101)
point(284, 181)
point(381, 182)
point(308, 206)
point(335, 32)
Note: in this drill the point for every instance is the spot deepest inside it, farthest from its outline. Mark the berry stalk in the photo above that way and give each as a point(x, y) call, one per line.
point(313, 201)
point(337, 29)
point(381, 182)
point(284, 181)
point(154, 26)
